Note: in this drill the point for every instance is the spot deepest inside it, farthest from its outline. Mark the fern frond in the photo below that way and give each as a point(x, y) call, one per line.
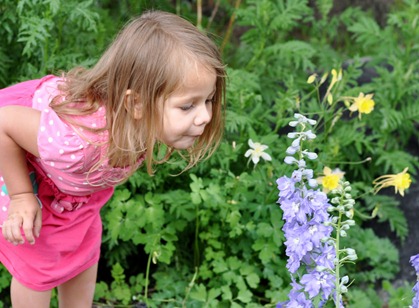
point(387, 210)
point(392, 119)
point(395, 161)
point(236, 122)
point(33, 31)
point(367, 32)
point(298, 53)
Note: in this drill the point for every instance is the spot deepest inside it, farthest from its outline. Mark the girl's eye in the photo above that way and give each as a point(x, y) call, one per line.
point(209, 101)
point(187, 107)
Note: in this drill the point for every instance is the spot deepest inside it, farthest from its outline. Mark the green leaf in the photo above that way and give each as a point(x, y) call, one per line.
point(199, 293)
point(253, 280)
point(244, 296)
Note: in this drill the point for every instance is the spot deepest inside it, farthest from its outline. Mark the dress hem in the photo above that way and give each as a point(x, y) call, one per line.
point(51, 285)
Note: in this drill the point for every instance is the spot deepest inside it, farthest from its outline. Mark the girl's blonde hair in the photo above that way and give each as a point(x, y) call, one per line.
point(150, 57)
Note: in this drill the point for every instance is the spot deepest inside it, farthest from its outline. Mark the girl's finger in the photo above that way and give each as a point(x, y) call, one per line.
point(15, 230)
point(27, 227)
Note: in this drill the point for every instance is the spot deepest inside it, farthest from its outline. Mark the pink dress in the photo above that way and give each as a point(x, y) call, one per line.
point(70, 237)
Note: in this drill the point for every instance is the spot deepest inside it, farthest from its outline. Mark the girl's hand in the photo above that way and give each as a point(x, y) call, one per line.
point(24, 213)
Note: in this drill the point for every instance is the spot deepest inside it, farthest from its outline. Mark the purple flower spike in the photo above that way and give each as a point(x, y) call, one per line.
point(306, 225)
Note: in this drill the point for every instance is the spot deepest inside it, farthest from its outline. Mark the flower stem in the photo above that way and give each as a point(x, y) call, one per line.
point(147, 276)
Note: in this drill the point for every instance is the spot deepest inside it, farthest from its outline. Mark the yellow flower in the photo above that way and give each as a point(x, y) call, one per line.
point(330, 179)
point(363, 104)
point(400, 181)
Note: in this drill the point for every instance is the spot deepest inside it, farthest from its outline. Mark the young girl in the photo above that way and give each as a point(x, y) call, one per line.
point(160, 83)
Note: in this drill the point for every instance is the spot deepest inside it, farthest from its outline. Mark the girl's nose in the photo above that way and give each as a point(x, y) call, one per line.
point(203, 115)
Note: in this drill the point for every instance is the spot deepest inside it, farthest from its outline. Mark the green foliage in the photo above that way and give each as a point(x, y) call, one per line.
point(212, 237)
point(377, 257)
point(400, 296)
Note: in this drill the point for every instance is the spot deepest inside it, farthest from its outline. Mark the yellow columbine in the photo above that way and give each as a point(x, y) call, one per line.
point(400, 181)
point(330, 179)
point(363, 104)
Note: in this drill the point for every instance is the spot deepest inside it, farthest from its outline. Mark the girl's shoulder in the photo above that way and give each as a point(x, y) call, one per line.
point(63, 142)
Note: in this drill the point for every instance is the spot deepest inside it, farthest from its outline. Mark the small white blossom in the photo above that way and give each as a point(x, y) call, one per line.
point(256, 151)
point(301, 119)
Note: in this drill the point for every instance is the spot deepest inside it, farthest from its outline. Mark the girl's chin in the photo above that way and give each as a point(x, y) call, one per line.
point(183, 144)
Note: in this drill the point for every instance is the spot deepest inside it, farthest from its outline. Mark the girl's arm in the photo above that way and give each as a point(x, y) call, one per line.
point(18, 135)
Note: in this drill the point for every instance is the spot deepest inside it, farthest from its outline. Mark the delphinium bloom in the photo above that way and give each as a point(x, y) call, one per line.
point(305, 214)
point(313, 255)
point(401, 181)
point(414, 260)
point(256, 151)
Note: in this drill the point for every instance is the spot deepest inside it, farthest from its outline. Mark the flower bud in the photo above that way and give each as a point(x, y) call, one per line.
point(350, 251)
point(289, 160)
point(344, 280)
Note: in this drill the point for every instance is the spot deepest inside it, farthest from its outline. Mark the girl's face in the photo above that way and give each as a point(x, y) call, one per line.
point(189, 109)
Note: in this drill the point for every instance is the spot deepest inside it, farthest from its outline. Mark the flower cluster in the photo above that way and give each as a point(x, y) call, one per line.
point(313, 255)
point(363, 104)
point(305, 212)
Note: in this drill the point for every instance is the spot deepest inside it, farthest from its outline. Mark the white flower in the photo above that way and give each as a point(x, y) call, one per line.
point(256, 151)
point(301, 119)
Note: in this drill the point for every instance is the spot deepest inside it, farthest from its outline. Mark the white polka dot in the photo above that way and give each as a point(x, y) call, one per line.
point(58, 134)
point(60, 178)
point(42, 128)
point(39, 100)
point(93, 124)
point(66, 143)
point(73, 156)
point(46, 110)
point(76, 188)
point(2, 194)
point(49, 175)
point(52, 164)
point(51, 122)
point(1, 178)
point(4, 209)
point(61, 151)
point(68, 166)
point(50, 140)
point(85, 183)
point(81, 146)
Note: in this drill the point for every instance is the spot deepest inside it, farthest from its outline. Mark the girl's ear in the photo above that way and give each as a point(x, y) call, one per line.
point(133, 105)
